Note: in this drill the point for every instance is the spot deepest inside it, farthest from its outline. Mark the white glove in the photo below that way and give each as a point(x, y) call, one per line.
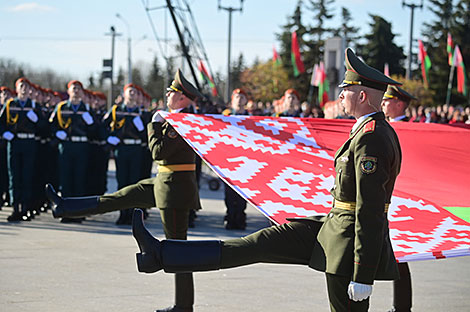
point(32, 116)
point(7, 135)
point(157, 117)
point(87, 118)
point(139, 125)
point(358, 291)
point(61, 135)
point(113, 140)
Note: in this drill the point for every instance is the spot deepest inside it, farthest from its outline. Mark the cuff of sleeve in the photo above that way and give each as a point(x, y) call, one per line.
point(364, 274)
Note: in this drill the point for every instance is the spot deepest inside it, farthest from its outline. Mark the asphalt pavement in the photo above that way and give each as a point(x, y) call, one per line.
point(49, 266)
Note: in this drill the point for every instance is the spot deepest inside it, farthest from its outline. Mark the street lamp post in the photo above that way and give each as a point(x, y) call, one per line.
point(129, 44)
point(229, 10)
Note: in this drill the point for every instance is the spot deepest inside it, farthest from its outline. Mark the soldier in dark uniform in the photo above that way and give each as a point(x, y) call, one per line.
point(174, 190)
point(73, 125)
point(5, 95)
point(126, 134)
point(19, 125)
point(351, 244)
point(235, 217)
point(394, 104)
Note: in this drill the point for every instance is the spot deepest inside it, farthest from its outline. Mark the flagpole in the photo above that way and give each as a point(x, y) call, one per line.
point(451, 80)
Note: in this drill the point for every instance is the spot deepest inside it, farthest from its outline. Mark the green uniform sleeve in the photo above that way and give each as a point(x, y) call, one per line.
point(372, 162)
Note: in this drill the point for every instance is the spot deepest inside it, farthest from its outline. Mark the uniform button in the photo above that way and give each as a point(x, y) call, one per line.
point(334, 187)
point(330, 215)
point(340, 170)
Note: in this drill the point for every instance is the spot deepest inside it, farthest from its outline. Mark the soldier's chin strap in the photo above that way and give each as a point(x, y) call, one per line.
point(375, 108)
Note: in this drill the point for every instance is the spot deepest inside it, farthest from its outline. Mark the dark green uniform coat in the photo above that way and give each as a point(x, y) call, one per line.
point(356, 243)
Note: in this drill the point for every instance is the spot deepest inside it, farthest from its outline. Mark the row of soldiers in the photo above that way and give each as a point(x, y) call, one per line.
point(68, 143)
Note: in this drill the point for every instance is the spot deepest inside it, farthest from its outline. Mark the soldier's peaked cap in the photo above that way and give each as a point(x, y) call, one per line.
point(359, 73)
point(181, 84)
point(397, 92)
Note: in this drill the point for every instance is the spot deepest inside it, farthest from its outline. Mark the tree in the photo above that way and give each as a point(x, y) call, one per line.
point(154, 83)
point(380, 48)
point(237, 68)
point(435, 40)
point(416, 88)
point(349, 33)
point(265, 81)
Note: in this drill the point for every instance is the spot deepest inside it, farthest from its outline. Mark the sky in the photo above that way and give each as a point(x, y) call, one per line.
point(69, 36)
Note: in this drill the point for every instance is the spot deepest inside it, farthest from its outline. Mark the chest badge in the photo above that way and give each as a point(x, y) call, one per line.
point(368, 164)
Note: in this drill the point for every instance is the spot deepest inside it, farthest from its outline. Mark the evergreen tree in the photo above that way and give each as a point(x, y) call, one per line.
point(154, 84)
point(346, 31)
point(380, 48)
point(435, 40)
point(237, 68)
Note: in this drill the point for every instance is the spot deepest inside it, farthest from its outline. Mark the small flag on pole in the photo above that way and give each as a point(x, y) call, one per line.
point(461, 76)
point(206, 76)
point(386, 70)
point(425, 63)
point(296, 58)
point(450, 48)
point(276, 58)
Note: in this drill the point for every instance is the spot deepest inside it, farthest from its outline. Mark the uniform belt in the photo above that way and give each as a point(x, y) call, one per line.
point(351, 205)
point(132, 141)
point(25, 135)
point(179, 167)
point(78, 139)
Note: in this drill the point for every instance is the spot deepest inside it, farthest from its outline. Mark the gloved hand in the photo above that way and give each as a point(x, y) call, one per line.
point(157, 117)
point(7, 135)
point(358, 291)
point(32, 116)
point(139, 125)
point(113, 140)
point(87, 118)
point(61, 135)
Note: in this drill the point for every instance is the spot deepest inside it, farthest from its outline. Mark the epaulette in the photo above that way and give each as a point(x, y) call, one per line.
point(369, 127)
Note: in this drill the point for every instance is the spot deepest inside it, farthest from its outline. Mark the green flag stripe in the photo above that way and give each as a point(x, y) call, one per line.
point(461, 212)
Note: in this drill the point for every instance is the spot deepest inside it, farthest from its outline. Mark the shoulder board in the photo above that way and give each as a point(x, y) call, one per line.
point(369, 127)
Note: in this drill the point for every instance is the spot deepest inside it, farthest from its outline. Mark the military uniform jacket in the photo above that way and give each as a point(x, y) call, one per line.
point(126, 125)
point(13, 118)
point(355, 242)
point(177, 189)
point(71, 121)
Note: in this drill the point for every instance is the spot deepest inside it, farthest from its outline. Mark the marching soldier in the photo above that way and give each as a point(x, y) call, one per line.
point(174, 190)
point(72, 124)
point(351, 244)
point(19, 125)
point(394, 104)
point(126, 135)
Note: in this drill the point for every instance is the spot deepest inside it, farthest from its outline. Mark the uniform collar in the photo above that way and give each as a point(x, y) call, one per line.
point(361, 121)
point(399, 118)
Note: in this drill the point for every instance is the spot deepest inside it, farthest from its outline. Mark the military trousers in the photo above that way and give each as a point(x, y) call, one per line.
point(3, 169)
point(73, 168)
point(21, 155)
point(289, 243)
point(128, 164)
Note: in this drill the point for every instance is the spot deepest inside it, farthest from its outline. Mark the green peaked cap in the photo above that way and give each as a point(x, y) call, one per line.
point(397, 92)
point(181, 84)
point(359, 73)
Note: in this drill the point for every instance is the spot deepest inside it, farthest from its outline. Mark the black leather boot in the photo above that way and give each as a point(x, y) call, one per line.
point(173, 256)
point(73, 207)
point(16, 214)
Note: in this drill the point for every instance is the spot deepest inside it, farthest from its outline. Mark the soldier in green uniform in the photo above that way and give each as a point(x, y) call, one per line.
point(174, 190)
point(394, 104)
point(73, 125)
point(19, 125)
point(126, 134)
point(351, 244)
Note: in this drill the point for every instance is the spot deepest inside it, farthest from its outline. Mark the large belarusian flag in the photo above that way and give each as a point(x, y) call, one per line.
point(461, 76)
point(207, 77)
point(425, 63)
point(285, 168)
point(296, 58)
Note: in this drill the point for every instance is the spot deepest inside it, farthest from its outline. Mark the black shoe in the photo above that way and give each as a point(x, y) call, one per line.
point(71, 220)
point(72, 207)
point(15, 217)
point(148, 260)
point(175, 309)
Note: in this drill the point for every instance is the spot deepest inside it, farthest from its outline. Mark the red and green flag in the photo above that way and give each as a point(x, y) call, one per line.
point(461, 76)
point(450, 48)
point(323, 85)
point(207, 77)
point(276, 58)
point(425, 63)
point(296, 58)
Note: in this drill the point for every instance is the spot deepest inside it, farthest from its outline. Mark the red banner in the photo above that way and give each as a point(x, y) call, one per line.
point(284, 167)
